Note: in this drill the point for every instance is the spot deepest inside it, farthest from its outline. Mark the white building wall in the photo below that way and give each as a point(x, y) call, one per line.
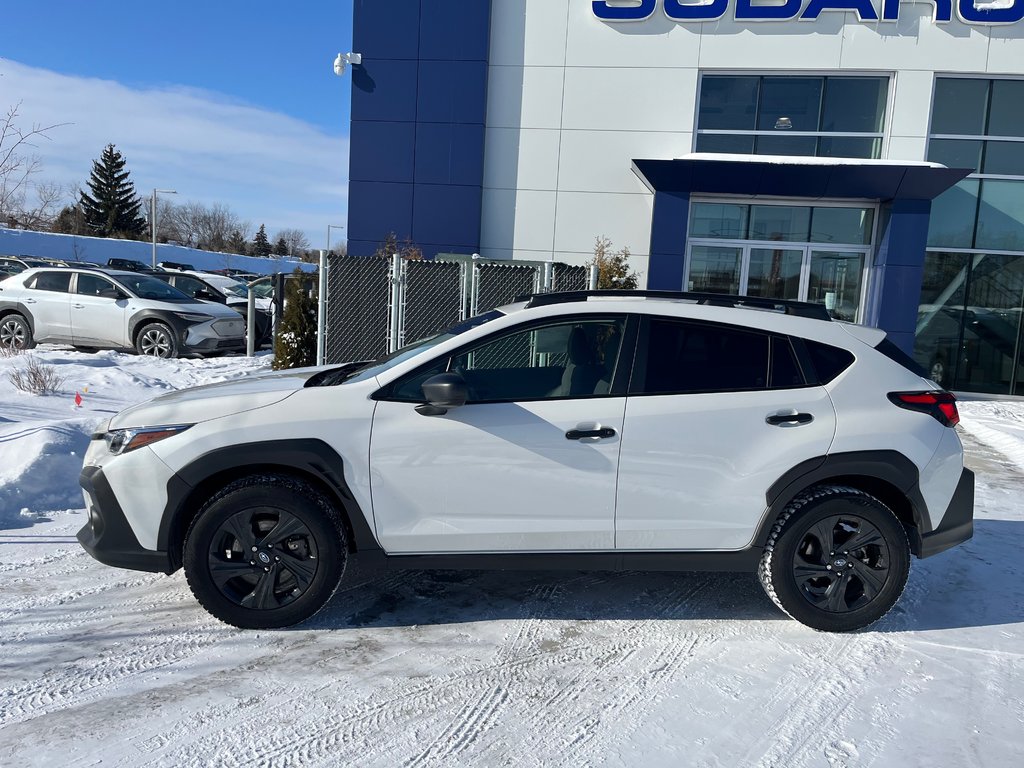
point(572, 100)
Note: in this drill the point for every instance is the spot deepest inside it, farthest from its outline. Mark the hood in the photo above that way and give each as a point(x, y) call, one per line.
point(215, 310)
point(212, 401)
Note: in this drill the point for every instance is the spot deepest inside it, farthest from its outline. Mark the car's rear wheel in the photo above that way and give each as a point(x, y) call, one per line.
point(837, 559)
point(15, 333)
point(156, 340)
point(267, 551)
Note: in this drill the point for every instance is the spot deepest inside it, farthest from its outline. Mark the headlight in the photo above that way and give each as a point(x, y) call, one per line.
point(194, 317)
point(123, 440)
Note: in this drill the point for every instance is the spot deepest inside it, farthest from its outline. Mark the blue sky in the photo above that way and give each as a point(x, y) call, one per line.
point(224, 101)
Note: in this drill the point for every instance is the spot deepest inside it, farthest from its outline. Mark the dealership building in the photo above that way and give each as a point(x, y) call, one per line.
point(864, 154)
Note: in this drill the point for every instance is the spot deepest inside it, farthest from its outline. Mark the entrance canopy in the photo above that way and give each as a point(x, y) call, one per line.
point(802, 177)
point(905, 189)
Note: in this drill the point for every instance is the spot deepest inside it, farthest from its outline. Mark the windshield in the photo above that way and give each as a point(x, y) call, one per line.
point(348, 375)
point(155, 289)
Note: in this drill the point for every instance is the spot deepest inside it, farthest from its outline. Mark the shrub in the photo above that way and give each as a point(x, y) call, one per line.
point(295, 345)
point(36, 378)
point(613, 270)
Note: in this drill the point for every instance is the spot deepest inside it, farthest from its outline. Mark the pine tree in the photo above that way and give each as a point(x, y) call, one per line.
point(236, 243)
point(112, 210)
point(260, 244)
point(281, 247)
point(295, 345)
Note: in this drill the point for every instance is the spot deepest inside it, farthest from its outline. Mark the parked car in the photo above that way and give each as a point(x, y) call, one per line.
point(640, 430)
point(204, 290)
point(92, 309)
point(22, 263)
point(130, 265)
point(176, 266)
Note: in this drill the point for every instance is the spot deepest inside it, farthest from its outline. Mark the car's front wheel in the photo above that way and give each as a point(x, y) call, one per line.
point(836, 560)
point(267, 551)
point(15, 333)
point(156, 340)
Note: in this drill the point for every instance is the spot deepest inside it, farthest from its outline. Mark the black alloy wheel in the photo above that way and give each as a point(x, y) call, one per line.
point(267, 551)
point(837, 559)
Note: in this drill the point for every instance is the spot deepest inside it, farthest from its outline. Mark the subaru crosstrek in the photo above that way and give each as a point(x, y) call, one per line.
point(637, 430)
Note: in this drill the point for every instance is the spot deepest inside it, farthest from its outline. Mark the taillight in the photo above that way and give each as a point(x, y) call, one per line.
point(939, 405)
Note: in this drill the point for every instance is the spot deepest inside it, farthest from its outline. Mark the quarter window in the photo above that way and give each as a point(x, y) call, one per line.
point(682, 357)
point(58, 282)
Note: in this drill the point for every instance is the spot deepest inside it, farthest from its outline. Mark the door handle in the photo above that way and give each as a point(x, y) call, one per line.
point(30, 301)
point(781, 419)
point(78, 306)
point(600, 433)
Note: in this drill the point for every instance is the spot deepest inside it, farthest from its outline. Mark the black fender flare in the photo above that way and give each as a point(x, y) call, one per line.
point(308, 457)
point(891, 467)
point(140, 318)
point(17, 308)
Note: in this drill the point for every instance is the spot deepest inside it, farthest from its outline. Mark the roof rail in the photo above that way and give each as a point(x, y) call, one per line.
point(787, 306)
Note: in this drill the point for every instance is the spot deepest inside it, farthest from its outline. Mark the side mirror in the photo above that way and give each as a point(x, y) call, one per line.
point(443, 391)
point(211, 296)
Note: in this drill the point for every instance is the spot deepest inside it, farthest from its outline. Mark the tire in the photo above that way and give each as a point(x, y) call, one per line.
point(828, 530)
point(15, 333)
point(248, 572)
point(156, 340)
point(937, 372)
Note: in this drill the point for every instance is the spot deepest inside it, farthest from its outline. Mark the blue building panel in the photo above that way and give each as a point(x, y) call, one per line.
point(445, 214)
point(386, 29)
point(386, 151)
point(376, 209)
point(384, 89)
point(443, 89)
point(444, 30)
point(449, 153)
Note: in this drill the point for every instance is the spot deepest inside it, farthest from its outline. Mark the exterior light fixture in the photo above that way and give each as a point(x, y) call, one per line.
point(783, 124)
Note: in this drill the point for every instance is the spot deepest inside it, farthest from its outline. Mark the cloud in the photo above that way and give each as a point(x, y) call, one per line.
point(266, 166)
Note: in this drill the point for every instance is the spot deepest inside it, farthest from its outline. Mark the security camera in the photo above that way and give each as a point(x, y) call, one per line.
point(344, 59)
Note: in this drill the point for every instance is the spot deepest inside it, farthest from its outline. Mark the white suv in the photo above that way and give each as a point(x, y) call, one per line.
point(636, 430)
point(92, 309)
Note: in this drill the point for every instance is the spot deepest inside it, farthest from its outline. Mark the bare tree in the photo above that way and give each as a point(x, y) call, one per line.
point(199, 226)
point(296, 241)
point(18, 166)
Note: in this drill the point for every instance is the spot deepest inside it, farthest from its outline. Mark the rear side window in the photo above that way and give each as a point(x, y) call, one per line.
point(897, 355)
point(828, 361)
point(683, 357)
point(58, 282)
point(785, 373)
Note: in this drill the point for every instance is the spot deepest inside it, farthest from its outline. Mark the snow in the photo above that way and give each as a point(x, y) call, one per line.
point(106, 666)
point(788, 160)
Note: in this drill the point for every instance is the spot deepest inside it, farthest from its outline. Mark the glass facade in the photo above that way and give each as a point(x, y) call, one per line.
point(970, 325)
point(798, 115)
point(808, 253)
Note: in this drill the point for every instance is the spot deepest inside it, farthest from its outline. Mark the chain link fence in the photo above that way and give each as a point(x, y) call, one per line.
point(375, 305)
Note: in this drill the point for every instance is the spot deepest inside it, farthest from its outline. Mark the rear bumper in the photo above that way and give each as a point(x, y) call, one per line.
point(107, 536)
point(957, 524)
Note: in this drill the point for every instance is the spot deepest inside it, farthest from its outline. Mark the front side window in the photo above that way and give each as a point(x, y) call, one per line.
point(568, 359)
point(94, 285)
point(792, 115)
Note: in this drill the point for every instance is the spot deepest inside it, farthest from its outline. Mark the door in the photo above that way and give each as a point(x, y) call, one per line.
point(47, 300)
point(99, 314)
point(715, 415)
point(514, 468)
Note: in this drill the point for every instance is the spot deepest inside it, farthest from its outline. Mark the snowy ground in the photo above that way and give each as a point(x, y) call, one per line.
point(112, 667)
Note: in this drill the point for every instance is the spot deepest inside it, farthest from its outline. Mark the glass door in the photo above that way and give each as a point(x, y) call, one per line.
point(834, 279)
point(775, 273)
point(715, 269)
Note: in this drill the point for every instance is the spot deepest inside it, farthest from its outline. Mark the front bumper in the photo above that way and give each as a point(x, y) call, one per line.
point(107, 536)
point(957, 524)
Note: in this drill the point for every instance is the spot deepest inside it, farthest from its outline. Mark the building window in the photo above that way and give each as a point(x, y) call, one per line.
point(807, 253)
point(792, 115)
point(979, 124)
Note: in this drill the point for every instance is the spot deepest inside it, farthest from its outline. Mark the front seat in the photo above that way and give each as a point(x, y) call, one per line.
point(582, 371)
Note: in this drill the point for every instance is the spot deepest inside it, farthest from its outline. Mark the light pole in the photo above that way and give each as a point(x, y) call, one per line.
point(321, 309)
point(152, 221)
point(329, 228)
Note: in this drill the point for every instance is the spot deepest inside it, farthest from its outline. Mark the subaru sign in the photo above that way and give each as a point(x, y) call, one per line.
point(990, 12)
